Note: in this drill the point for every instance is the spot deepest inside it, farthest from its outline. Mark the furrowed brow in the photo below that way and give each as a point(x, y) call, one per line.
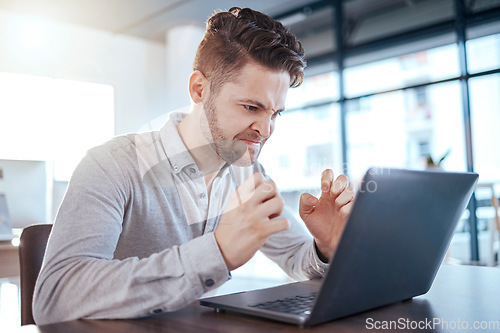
point(256, 103)
point(260, 105)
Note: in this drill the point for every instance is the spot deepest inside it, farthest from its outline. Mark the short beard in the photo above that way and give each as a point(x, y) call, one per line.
point(229, 150)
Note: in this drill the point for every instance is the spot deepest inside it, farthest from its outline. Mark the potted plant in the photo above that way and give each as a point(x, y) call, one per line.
point(431, 164)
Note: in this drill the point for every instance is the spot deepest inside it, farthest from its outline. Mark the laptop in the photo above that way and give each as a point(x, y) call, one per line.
point(5, 221)
point(395, 239)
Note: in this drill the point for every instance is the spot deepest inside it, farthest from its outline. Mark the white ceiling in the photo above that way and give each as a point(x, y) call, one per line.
point(148, 19)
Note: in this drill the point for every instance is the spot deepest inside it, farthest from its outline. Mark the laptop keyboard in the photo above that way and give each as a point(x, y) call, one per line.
point(299, 305)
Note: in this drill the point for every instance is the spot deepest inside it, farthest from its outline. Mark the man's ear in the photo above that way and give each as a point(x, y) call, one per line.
point(198, 87)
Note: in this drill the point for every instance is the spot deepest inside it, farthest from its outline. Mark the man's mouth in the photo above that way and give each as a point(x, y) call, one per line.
point(252, 143)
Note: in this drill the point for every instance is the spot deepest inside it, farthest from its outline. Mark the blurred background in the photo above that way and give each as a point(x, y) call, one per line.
point(389, 83)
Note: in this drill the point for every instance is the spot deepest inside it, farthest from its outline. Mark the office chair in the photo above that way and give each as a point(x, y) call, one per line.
point(31, 251)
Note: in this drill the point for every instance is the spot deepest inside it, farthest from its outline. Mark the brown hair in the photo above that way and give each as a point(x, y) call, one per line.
point(237, 36)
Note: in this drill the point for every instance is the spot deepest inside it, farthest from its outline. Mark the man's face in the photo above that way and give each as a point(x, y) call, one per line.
point(241, 117)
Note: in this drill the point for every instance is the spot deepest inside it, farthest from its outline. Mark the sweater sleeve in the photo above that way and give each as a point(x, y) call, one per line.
point(294, 251)
point(79, 277)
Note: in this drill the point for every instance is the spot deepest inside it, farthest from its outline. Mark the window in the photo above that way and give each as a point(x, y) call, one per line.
point(402, 128)
point(484, 53)
point(416, 68)
point(485, 120)
point(404, 99)
point(54, 120)
point(315, 89)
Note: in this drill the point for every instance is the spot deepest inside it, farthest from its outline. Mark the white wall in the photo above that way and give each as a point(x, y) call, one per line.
point(149, 79)
point(181, 44)
point(135, 68)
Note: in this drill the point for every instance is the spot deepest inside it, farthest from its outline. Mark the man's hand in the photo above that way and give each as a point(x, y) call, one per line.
point(326, 217)
point(248, 221)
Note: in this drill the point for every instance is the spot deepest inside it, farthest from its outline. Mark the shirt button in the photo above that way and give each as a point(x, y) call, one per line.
point(203, 195)
point(193, 170)
point(176, 168)
point(209, 282)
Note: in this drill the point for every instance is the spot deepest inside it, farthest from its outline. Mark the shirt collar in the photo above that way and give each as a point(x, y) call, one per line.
point(174, 147)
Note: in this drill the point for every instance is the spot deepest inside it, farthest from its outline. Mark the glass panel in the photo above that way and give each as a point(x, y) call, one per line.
point(485, 122)
point(421, 67)
point(404, 128)
point(304, 143)
point(315, 89)
point(483, 53)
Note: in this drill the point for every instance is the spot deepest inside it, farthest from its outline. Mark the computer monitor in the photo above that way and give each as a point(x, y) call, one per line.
point(24, 184)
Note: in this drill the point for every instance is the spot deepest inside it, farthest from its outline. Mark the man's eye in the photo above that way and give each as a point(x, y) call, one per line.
point(251, 108)
point(276, 114)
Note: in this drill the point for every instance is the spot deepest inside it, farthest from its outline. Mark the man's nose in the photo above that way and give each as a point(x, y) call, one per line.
point(263, 126)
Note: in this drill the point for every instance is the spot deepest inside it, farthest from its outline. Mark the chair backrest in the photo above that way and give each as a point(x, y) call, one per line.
point(31, 251)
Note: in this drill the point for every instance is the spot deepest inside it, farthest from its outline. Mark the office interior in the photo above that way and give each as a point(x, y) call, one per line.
point(389, 83)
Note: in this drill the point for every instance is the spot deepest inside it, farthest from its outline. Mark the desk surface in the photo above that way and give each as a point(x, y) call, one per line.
point(460, 295)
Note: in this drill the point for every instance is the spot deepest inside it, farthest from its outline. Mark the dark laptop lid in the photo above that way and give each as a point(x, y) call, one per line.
point(395, 239)
point(401, 224)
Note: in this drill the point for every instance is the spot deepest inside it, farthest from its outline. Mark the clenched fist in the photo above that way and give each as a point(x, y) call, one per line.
point(249, 219)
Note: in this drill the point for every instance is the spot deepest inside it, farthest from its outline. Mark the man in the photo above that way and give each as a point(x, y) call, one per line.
point(151, 221)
